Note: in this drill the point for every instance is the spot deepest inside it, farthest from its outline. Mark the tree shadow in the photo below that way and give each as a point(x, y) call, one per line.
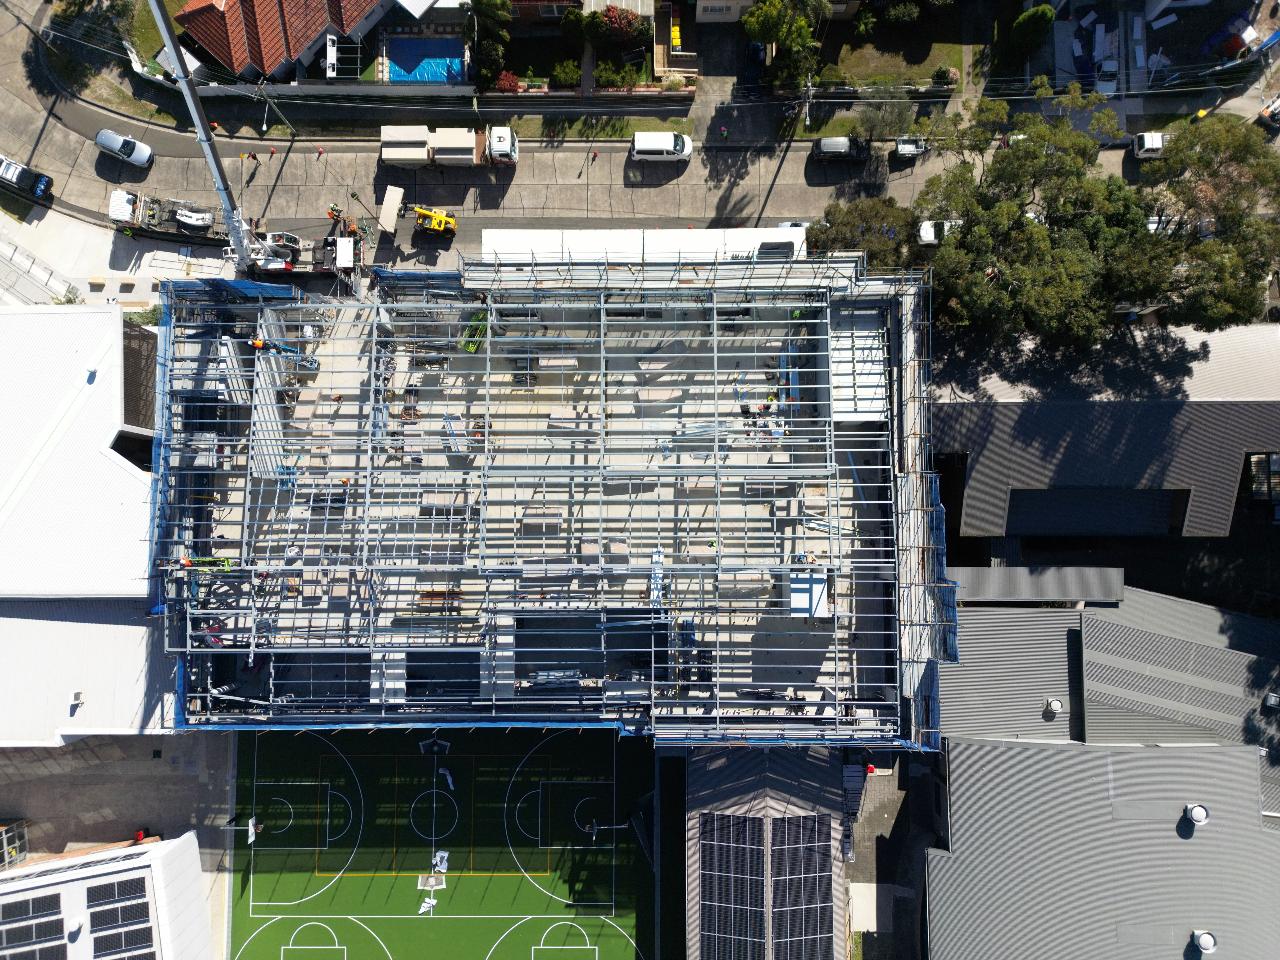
point(1149, 363)
point(734, 136)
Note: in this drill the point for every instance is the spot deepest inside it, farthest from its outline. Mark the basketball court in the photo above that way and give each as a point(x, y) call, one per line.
point(488, 844)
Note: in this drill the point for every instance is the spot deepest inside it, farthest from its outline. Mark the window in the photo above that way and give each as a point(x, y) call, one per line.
point(552, 11)
point(716, 9)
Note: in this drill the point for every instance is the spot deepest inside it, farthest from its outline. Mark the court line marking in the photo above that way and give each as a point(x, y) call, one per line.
point(249, 939)
point(625, 934)
point(457, 815)
point(374, 935)
point(290, 823)
point(515, 815)
point(506, 831)
point(438, 916)
point(351, 815)
point(504, 935)
point(355, 779)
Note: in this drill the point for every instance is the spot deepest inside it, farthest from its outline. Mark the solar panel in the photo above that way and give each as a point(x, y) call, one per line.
point(732, 886)
point(800, 864)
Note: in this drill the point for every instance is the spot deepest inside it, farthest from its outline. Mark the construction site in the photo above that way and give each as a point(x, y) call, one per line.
point(679, 489)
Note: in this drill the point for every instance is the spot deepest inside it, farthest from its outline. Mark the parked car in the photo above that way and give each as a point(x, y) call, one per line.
point(660, 146)
point(1107, 79)
point(124, 148)
point(1269, 116)
point(794, 223)
point(932, 232)
point(910, 147)
point(840, 148)
point(22, 179)
point(1150, 146)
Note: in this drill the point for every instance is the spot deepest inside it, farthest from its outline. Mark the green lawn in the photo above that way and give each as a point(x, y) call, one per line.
point(867, 65)
point(542, 858)
point(143, 33)
point(585, 128)
point(898, 55)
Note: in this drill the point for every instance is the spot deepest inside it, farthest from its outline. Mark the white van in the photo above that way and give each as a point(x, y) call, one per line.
point(660, 146)
point(1150, 146)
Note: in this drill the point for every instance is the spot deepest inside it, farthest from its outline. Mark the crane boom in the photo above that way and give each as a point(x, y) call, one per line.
point(241, 239)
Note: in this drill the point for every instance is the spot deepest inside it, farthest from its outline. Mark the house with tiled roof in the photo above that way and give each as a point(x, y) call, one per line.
point(265, 37)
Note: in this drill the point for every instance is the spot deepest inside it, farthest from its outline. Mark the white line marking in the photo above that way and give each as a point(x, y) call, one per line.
point(515, 815)
point(359, 835)
point(290, 806)
point(375, 936)
point(506, 830)
point(504, 936)
point(350, 815)
point(435, 835)
point(249, 939)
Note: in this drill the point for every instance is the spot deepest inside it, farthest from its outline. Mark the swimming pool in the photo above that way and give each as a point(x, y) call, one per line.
point(424, 60)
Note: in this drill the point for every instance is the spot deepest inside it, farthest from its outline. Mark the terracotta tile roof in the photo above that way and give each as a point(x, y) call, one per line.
point(266, 33)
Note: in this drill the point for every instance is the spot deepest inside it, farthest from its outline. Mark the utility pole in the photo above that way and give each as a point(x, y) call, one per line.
point(262, 92)
point(808, 97)
point(236, 228)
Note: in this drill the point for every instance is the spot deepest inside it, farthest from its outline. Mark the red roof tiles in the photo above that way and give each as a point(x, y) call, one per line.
point(266, 33)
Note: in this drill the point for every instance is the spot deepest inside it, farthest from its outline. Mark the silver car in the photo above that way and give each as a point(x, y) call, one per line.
point(124, 148)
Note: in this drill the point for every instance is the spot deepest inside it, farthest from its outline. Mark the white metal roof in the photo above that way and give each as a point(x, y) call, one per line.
point(635, 245)
point(101, 649)
point(73, 513)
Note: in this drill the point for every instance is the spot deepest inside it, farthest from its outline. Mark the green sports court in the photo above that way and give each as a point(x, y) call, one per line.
point(511, 844)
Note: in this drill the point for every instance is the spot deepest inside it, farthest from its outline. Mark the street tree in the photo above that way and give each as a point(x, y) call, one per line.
point(1048, 249)
point(877, 226)
point(487, 33)
point(778, 22)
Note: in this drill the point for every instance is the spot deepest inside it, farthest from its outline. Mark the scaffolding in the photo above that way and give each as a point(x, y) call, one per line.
point(665, 503)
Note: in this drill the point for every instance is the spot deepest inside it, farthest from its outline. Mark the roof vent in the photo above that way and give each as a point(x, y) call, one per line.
point(1198, 814)
point(1052, 707)
point(1205, 941)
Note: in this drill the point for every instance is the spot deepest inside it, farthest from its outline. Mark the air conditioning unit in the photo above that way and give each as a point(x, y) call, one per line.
point(331, 57)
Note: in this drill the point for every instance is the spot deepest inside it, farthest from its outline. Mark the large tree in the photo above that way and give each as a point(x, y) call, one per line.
point(778, 22)
point(876, 226)
point(1048, 248)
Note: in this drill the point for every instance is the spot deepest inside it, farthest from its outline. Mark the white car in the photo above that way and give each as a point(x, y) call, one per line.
point(1108, 78)
point(794, 223)
point(910, 147)
point(932, 232)
point(1150, 146)
point(124, 148)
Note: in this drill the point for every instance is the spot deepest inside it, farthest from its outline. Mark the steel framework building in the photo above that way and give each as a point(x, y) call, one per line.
point(687, 496)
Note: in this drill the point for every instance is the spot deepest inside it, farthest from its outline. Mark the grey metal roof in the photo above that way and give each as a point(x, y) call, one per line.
point(1153, 688)
point(1097, 584)
point(1011, 660)
point(1199, 622)
point(1198, 446)
point(1066, 849)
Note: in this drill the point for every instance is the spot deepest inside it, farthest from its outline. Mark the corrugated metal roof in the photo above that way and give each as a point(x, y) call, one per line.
point(1011, 661)
point(1069, 848)
point(1153, 688)
point(1198, 622)
point(1095, 584)
point(1121, 445)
